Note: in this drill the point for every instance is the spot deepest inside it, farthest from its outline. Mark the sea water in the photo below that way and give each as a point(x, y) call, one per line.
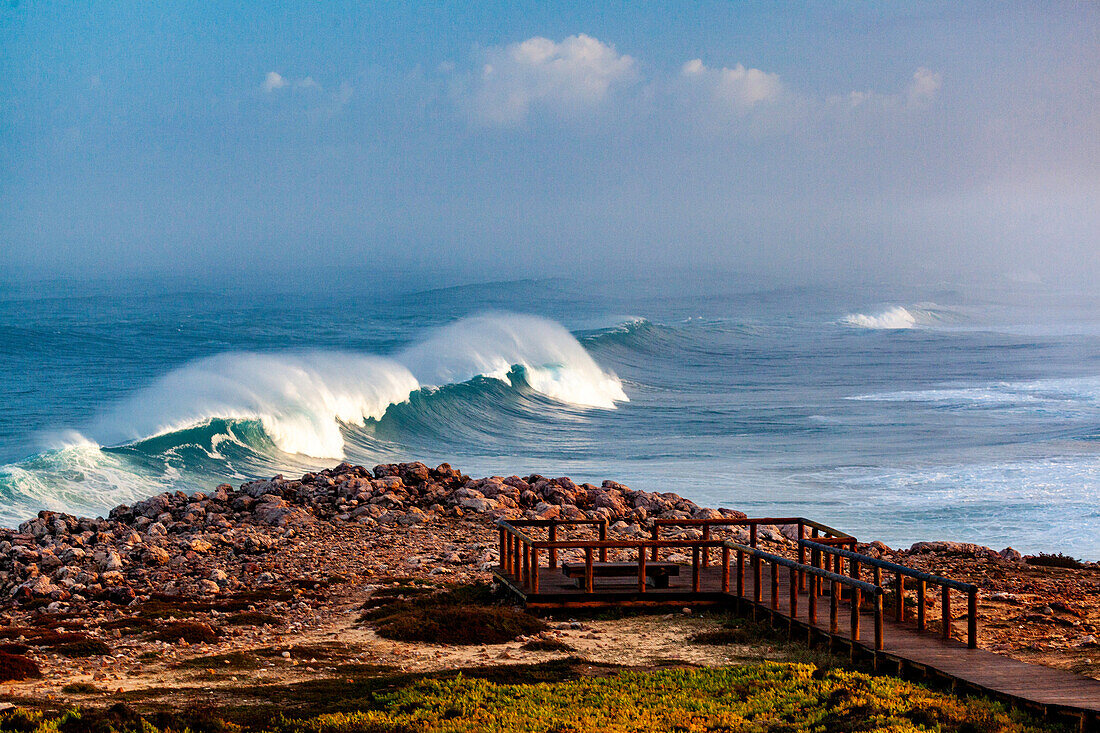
point(897, 413)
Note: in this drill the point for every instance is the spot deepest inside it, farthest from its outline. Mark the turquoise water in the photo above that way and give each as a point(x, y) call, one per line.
point(896, 413)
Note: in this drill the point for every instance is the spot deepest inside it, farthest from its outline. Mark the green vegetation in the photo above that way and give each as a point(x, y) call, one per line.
point(763, 697)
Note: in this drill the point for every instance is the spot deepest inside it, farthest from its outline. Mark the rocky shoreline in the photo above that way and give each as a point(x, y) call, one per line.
point(126, 601)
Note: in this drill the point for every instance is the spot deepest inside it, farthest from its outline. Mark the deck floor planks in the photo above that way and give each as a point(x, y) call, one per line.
point(978, 667)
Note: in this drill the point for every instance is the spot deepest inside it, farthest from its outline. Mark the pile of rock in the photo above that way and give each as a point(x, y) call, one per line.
point(193, 539)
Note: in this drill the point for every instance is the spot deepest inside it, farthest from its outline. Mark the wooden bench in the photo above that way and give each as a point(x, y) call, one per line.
point(658, 572)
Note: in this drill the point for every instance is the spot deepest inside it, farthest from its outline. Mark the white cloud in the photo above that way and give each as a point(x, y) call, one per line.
point(574, 75)
point(924, 87)
point(273, 81)
point(740, 87)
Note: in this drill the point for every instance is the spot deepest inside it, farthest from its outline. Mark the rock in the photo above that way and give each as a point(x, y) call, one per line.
point(109, 560)
point(38, 587)
point(275, 511)
point(256, 489)
point(155, 556)
point(200, 546)
point(218, 575)
point(941, 547)
point(478, 505)
point(122, 595)
point(208, 587)
point(1011, 555)
point(265, 578)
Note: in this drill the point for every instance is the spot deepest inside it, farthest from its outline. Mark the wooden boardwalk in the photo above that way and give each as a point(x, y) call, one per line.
point(1054, 694)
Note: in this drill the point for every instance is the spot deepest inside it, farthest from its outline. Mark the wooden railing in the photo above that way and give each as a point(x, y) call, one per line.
point(799, 572)
point(520, 561)
point(520, 552)
point(818, 532)
point(856, 561)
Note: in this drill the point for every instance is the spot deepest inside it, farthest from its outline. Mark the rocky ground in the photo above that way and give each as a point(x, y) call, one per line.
point(186, 595)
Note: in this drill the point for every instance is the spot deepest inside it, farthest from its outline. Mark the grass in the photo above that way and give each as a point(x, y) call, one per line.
point(469, 614)
point(564, 699)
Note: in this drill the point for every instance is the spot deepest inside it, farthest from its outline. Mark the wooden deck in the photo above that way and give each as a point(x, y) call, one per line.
point(1052, 693)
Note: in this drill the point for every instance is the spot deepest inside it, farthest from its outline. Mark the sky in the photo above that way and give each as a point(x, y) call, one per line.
point(840, 141)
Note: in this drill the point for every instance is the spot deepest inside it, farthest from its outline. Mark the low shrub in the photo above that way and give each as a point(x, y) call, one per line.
point(1053, 561)
point(14, 667)
point(253, 618)
point(83, 648)
point(81, 688)
point(459, 625)
point(547, 645)
point(193, 632)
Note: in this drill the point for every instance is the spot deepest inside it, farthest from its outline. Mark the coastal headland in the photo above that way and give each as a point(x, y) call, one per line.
point(278, 592)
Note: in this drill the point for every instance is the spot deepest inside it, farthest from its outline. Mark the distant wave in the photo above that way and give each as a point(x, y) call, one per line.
point(1070, 397)
point(899, 317)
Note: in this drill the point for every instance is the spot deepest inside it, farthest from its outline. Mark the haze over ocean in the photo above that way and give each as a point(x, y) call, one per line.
point(830, 259)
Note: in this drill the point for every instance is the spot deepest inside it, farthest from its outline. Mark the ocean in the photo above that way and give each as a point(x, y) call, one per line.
point(895, 413)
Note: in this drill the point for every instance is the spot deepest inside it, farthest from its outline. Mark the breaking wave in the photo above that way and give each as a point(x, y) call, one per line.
point(895, 318)
point(233, 414)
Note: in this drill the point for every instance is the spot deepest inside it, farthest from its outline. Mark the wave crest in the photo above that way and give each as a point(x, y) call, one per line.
point(303, 398)
point(895, 318)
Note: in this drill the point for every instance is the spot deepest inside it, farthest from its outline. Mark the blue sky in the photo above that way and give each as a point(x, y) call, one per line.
point(841, 140)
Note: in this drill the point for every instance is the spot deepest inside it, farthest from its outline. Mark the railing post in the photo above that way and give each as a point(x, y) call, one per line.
point(801, 555)
point(656, 536)
point(856, 598)
point(503, 561)
point(876, 574)
point(695, 569)
point(899, 584)
point(641, 568)
point(725, 569)
point(972, 618)
point(775, 586)
point(815, 582)
point(705, 549)
point(527, 564)
point(508, 553)
point(603, 538)
point(588, 570)
point(794, 579)
point(752, 536)
point(834, 607)
point(534, 570)
point(757, 580)
point(740, 574)
point(553, 538)
point(922, 588)
point(946, 612)
point(878, 622)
